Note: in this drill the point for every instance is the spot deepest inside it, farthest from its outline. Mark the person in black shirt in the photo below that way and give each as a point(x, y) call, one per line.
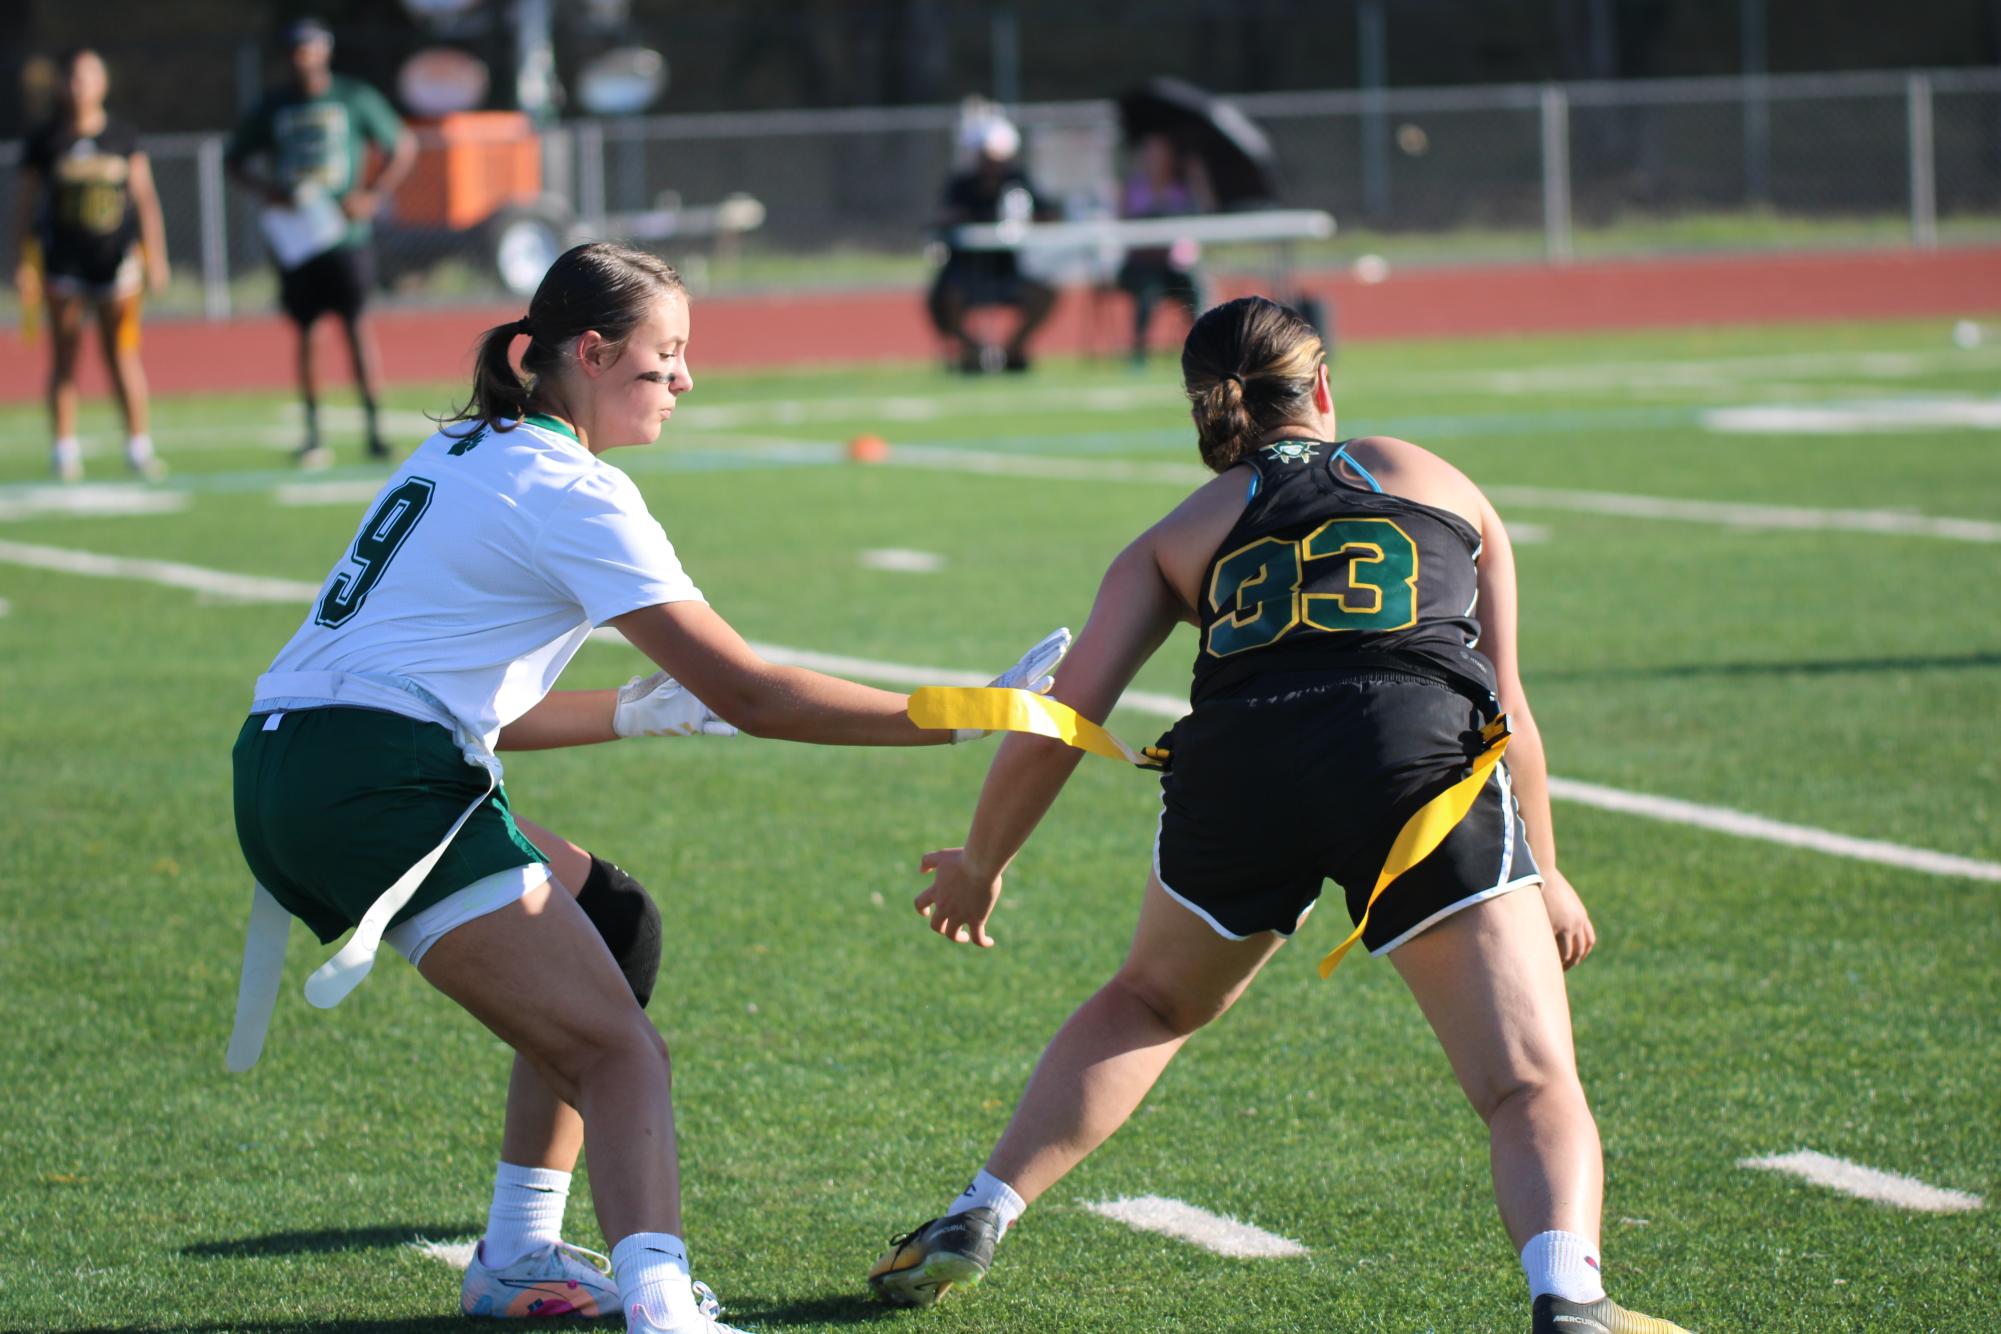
point(91, 238)
point(1356, 683)
point(994, 189)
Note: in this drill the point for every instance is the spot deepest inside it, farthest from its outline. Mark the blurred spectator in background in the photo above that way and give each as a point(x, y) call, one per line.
point(315, 130)
point(993, 189)
point(1165, 182)
point(90, 239)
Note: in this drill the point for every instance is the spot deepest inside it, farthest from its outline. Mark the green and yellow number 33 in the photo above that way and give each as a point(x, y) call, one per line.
point(1259, 584)
point(380, 538)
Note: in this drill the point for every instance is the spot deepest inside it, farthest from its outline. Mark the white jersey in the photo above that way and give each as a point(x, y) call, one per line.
point(475, 576)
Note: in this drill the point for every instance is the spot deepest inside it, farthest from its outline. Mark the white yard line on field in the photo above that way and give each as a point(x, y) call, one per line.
point(1855, 417)
point(901, 560)
point(1723, 820)
point(1733, 514)
point(171, 574)
point(88, 502)
point(1720, 819)
point(1198, 1227)
point(1867, 1183)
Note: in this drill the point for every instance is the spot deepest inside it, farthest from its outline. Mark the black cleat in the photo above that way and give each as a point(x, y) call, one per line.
point(921, 1265)
point(1553, 1315)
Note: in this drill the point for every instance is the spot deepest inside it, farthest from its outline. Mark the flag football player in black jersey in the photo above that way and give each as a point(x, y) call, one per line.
point(92, 241)
point(1356, 608)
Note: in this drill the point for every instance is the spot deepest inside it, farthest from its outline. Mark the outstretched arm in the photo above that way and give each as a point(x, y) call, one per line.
point(1135, 611)
point(701, 650)
point(1527, 764)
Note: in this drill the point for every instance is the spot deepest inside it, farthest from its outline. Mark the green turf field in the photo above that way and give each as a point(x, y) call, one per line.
point(840, 1072)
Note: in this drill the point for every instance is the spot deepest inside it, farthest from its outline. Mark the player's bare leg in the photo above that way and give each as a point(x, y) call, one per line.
point(312, 454)
point(65, 342)
point(360, 336)
point(118, 333)
point(542, 1130)
point(1489, 981)
point(573, 1019)
point(1178, 976)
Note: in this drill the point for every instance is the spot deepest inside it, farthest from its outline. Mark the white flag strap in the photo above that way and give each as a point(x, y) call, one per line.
point(263, 970)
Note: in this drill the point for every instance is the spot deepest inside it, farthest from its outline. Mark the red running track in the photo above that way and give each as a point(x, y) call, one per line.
point(889, 326)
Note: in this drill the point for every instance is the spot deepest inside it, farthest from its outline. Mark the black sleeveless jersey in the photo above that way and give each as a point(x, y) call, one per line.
point(87, 214)
point(1320, 574)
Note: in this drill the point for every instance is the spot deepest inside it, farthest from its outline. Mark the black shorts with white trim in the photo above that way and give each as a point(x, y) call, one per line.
point(1271, 794)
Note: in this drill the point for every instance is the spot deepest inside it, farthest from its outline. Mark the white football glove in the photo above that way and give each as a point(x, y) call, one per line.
point(658, 705)
point(1032, 673)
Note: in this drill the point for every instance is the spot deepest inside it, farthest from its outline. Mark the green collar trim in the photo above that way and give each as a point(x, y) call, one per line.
point(548, 423)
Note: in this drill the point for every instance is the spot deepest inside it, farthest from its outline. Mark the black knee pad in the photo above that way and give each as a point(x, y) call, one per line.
point(623, 912)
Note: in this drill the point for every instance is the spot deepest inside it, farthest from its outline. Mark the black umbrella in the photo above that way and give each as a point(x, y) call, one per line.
point(1241, 165)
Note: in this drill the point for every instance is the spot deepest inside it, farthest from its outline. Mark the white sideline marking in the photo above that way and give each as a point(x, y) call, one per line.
point(1729, 514)
point(1866, 1183)
point(1198, 1227)
point(96, 501)
point(902, 560)
point(172, 574)
point(1733, 514)
point(457, 1254)
point(298, 494)
point(1851, 418)
point(1721, 819)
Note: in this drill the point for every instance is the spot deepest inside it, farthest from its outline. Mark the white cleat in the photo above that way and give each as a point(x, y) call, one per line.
point(559, 1280)
point(639, 1321)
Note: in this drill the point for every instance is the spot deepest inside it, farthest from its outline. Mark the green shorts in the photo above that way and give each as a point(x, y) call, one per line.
point(333, 804)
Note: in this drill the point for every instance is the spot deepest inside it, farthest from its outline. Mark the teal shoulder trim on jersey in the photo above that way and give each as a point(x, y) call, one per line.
point(1342, 454)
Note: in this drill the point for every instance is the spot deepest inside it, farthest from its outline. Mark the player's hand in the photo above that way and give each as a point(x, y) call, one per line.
point(959, 898)
point(1575, 935)
point(658, 705)
point(361, 205)
point(156, 276)
point(1031, 673)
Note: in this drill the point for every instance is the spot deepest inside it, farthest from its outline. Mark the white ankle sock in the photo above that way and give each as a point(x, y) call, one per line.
point(526, 1214)
point(653, 1284)
point(138, 448)
point(990, 1192)
point(1564, 1264)
point(68, 450)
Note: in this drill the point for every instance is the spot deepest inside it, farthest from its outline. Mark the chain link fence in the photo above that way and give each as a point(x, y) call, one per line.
point(1550, 172)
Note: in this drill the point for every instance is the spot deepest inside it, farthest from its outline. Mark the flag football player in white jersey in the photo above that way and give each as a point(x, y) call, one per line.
point(368, 796)
point(1356, 608)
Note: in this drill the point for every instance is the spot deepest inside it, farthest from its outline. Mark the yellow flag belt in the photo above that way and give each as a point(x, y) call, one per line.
point(994, 709)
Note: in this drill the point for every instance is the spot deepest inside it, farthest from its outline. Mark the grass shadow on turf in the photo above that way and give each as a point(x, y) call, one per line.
point(1809, 667)
point(329, 1239)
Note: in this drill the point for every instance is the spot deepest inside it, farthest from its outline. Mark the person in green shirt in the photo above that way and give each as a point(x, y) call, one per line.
point(312, 134)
